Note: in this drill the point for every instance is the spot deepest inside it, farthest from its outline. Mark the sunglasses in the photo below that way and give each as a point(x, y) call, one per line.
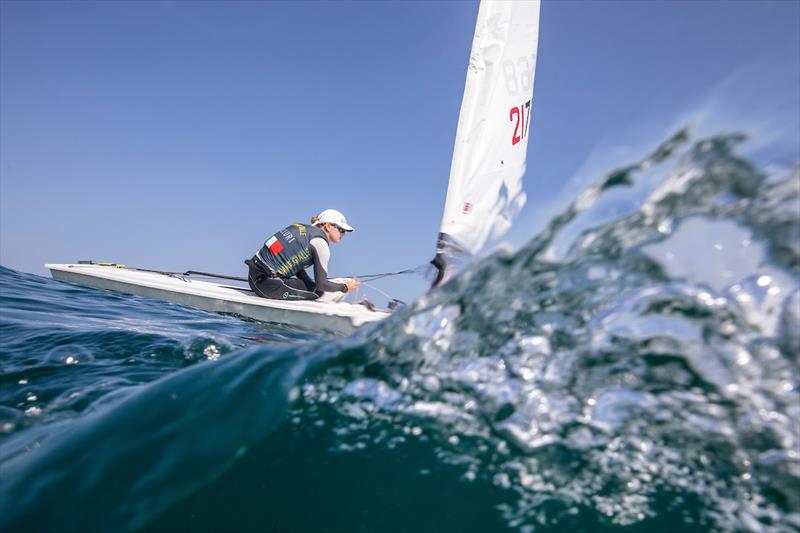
point(341, 231)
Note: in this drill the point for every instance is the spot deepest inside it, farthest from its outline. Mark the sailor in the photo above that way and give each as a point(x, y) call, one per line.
point(278, 269)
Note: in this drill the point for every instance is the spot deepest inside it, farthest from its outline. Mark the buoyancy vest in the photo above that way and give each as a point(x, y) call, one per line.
point(288, 251)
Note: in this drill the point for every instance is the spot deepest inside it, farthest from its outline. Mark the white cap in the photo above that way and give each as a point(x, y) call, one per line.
point(332, 216)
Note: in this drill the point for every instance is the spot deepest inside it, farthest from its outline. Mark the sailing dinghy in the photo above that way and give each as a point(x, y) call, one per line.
point(484, 191)
point(324, 316)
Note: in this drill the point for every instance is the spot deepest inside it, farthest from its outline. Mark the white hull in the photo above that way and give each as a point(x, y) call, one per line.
point(339, 318)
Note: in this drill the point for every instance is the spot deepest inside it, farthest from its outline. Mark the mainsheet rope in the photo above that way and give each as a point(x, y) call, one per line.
point(373, 277)
point(363, 279)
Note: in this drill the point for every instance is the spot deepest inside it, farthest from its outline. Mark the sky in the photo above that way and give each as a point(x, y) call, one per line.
point(179, 135)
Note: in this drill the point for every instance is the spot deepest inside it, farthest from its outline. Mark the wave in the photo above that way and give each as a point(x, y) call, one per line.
point(590, 376)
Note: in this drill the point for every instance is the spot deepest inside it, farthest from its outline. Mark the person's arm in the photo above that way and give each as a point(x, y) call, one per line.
point(321, 253)
point(303, 276)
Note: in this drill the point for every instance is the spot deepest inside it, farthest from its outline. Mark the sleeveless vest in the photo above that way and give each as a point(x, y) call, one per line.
point(288, 252)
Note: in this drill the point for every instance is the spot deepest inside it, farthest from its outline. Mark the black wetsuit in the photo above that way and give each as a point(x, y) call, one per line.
point(289, 253)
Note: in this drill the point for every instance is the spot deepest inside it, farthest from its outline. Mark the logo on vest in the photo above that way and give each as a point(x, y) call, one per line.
point(287, 235)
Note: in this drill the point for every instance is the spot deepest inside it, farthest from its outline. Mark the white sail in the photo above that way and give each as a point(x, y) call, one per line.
point(485, 189)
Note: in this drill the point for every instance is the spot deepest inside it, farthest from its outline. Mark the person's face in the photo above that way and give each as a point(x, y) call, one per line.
point(335, 233)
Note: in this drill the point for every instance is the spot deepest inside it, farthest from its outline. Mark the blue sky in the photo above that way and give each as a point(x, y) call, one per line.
point(178, 135)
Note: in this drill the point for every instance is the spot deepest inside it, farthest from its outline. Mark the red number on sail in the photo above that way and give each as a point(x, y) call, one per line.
point(521, 126)
point(516, 138)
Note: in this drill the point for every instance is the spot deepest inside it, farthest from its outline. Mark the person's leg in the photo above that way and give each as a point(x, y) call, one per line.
point(256, 278)
point(295, 289)
point(281, 289)
point(278, 288)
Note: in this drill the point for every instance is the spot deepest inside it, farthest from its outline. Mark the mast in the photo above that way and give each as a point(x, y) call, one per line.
point(489, 157)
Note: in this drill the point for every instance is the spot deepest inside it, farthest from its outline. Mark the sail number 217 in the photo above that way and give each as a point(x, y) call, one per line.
point(520, 116)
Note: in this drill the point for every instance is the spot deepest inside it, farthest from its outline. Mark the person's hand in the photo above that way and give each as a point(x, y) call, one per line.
point(351, 283)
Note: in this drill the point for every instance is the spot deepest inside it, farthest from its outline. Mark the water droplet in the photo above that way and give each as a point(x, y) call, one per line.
point(742, 357)
point(211, 352)
point(69, 354)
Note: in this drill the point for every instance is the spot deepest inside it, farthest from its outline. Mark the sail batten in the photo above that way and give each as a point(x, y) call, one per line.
point(489, 157)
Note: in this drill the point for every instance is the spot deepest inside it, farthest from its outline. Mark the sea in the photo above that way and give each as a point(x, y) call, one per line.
point(634, 367)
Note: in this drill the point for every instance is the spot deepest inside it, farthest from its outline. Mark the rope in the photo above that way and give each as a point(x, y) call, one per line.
point(164, 272)
point(373, 277)
point(393, 302)
point(209, 275)
point(377, 289)
point(365, 277)
point(362, 279)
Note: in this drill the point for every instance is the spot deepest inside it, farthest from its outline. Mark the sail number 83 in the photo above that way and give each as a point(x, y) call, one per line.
point(520, 115)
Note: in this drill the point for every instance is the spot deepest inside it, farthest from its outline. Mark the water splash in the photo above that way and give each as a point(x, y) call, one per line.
point(586, 371)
